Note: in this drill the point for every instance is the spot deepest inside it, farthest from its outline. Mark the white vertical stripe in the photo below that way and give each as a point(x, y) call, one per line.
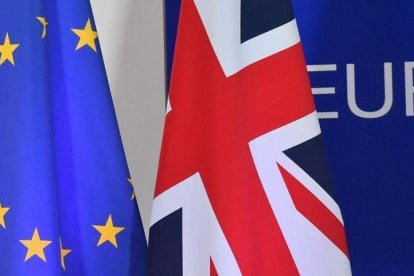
point(221, 19)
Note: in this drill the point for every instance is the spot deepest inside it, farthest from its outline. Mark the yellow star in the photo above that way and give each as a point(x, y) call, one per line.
point(108, 232)
point(3, 212)
point(133, 191)
point(35, 246)
point(63, 253)
point(44, 23)
point(7, 49)
point(87, 36)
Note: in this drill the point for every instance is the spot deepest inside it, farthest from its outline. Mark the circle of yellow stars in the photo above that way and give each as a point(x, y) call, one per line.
point(108, 233)
point(87, 37)
point(36, 245)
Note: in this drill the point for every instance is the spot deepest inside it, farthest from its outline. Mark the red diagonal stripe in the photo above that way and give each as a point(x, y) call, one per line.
point(315, 211)
point(213, 270)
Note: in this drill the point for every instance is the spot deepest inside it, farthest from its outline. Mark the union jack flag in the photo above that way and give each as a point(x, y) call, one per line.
point(243, 186)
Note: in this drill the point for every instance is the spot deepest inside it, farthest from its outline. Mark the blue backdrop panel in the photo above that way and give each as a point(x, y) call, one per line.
point(371, 158)
point(363, 51)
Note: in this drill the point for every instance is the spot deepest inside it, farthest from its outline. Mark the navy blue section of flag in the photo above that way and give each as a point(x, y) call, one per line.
point(260, 16)
point(168, 260)
point(171, 16)
point(311, 157)
point(66, 199)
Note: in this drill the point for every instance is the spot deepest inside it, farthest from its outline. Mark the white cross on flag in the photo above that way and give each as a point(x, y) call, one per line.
point(243, 186)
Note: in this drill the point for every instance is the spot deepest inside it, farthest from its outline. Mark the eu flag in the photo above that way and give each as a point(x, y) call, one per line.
point(66, 198)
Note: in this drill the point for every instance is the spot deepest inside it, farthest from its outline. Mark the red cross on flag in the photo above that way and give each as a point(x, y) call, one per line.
point(243, 185)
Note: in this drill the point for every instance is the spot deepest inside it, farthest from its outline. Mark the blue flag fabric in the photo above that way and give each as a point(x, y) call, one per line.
point(66, 200)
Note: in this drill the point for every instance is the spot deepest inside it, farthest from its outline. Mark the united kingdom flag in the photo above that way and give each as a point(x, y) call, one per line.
point(243, 185)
